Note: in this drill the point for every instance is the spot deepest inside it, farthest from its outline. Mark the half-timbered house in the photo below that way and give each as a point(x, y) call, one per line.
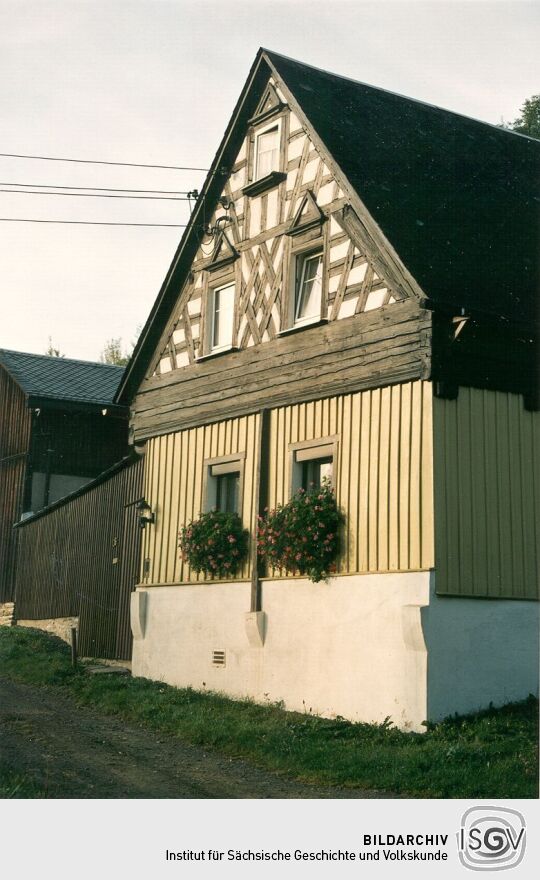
point(356, 295)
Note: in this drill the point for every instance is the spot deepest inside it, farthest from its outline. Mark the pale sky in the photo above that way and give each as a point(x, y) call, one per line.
point(155, 81)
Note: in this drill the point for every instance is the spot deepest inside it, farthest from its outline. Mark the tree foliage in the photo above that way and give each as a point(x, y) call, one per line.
point(528, 122)
point(52, 351)
point(113, 354)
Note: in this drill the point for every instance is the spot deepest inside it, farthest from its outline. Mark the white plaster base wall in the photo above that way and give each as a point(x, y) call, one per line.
point(352, 647)
point(480, 651)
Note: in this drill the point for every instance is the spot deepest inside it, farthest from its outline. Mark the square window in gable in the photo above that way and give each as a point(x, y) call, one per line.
point(308, 288)
point(221, 318)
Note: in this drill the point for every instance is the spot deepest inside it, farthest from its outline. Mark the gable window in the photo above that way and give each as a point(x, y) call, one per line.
point(312, 463)
point(267, 152)
point(223, 484)
point(221, 321)
point(308, 287)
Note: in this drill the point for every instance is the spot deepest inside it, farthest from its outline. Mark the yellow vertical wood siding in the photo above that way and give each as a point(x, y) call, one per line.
point(487, 495)
point(383, 476)
point(174, 489)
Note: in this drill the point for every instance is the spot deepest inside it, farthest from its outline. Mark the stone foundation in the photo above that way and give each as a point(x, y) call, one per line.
point(58, 626)
point(6, 613)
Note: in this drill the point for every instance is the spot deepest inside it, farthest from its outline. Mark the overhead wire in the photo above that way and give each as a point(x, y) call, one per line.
point(89, 222)
point(87, 195)
point(101, 162)
point(169, 192)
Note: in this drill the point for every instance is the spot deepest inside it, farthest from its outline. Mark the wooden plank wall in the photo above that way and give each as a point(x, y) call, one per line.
point(174, 489)
point(384, 479)
point(385, 346)
point(487, 495)
point(66, 563)
point(15, 422)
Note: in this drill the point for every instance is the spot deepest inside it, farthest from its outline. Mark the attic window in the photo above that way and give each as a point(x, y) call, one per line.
point(308, 288)
point(267, 151)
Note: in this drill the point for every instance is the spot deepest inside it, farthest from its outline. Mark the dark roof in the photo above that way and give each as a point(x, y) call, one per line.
point(458, 199)
point(59, 378)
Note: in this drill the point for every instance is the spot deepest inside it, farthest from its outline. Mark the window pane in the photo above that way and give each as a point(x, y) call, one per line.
point(314, 471)
point(267, 152)
point(309, 287)
point(227, 486)
point(222, 325)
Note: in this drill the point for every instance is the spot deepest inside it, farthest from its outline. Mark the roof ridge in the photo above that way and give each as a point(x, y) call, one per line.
point(61, 359)
point(426, 104)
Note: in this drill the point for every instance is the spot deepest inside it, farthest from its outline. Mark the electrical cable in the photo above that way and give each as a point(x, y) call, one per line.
point(101, 162)
point(86, 195)
point(167, 192)
point(90, 222)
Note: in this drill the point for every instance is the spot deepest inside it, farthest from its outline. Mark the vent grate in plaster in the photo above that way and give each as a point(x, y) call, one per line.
point(218, 658)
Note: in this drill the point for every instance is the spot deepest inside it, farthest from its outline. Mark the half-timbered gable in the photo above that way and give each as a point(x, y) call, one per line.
point(254, 242)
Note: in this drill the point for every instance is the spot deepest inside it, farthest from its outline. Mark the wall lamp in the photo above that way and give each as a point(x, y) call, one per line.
point(145, 513)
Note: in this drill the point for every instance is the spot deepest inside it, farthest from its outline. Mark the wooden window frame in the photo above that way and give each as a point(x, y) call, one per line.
point(310, 450)
point(259, 132)
point(258, 185)
point(224, 464)
point(309, 243)
point(211, 284)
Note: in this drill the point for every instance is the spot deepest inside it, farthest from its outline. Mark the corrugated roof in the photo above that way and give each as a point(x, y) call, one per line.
point(62, 378)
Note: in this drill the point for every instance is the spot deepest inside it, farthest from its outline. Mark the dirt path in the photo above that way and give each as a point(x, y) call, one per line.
point(73, 752)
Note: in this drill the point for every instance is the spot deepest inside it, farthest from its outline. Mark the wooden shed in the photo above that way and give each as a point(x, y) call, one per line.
point(59, 428)
point(79, 562)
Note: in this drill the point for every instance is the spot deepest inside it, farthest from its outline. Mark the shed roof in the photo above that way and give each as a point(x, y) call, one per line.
point(59, 378)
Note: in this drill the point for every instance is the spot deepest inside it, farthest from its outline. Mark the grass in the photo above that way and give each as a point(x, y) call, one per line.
point(491, 754)
point(18, 785)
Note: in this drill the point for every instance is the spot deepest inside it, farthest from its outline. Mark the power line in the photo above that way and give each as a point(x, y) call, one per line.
point(168, 192)
point(90, 222)
point(86, 195)
point(101, 162)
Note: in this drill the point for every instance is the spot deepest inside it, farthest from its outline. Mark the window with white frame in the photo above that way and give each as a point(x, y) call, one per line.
point(267, 151)
point(221, 318)
point(307, 287)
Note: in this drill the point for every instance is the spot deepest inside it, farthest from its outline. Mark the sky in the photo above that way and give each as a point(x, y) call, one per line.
point(155, 82)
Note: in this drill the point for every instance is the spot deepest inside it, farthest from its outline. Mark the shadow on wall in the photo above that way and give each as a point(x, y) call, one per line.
point(480, 651)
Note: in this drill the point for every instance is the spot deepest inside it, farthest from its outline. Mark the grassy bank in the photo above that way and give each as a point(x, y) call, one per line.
point(492, 754)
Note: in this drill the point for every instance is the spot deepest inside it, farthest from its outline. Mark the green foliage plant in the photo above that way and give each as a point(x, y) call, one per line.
point(215, 544)
point(302, 536)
